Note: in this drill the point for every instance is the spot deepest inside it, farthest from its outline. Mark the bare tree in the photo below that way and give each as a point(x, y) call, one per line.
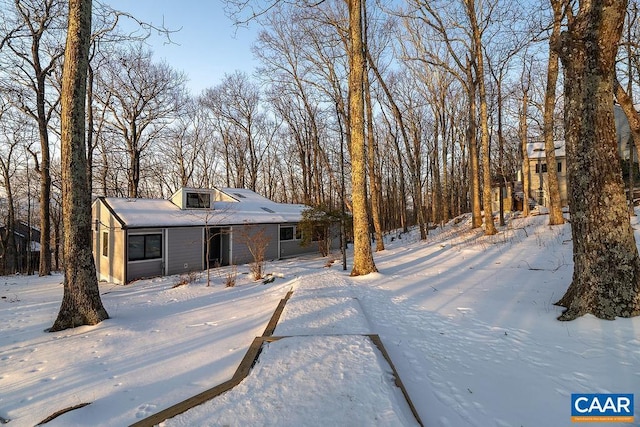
point(81, 304)
point(451, 48)
point(413, 126)
point(185, 143)
point(606, 277)
point(354, 37)
point(375, 185)
point(555, 205)
point(507, 39)
point(9, 147)
point(142, 98)
point(524, 135)
point(256, 240)
point(235, 106)
point(281, 48)
point(362, 257)
point(478, 64)
point(35, 42)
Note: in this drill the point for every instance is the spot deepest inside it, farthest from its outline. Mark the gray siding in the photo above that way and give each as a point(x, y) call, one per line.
point(243, 235)
point(142, 269)
point(145, 268)
point(289, 248)
point(185, 250)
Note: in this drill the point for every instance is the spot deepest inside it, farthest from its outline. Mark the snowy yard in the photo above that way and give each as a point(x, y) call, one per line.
point(468, 321)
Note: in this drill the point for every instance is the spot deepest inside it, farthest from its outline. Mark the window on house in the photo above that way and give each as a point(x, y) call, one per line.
point(145, 246)
point(559, 167)
point(544, 167)
point(198, 200)
point(105, 243)
point(286, 233)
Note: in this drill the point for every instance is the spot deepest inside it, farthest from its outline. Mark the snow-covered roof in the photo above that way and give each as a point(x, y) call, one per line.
point(535, 150)
point(250, 208)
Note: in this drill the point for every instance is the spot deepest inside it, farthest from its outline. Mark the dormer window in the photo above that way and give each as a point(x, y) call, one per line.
point(198, 201)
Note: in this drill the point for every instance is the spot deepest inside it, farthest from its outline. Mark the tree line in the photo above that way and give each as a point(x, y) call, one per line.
point(404, 115)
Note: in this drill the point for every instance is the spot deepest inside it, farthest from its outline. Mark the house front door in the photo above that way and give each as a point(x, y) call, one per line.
point(217, 246)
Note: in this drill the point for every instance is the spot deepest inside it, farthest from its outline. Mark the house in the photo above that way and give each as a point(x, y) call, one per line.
point(507, 191)
point(538, 184)
point(194, 229)
point(25, 255)
point(538, 176)
point(512, 193)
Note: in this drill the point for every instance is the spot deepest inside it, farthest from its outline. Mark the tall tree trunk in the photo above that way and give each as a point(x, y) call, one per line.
point(10, 256)
point(523, 128)
point(606, 276)
point(45, 183)
point(400, 122)
point(436, 185)
point(472, 142)
point(134, 172)
point(90, 133)
point(555, 203)
point(81, 304)
point(374, 183)
point(362, 255)
point(374, 179)
point(489, 227)
point(502, 183)
point(414, 158)
point(446, 189)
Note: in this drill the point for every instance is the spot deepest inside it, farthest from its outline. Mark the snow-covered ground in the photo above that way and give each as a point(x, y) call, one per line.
point(467, 320)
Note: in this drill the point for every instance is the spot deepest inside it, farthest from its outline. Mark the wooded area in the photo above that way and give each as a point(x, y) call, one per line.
point(403, 114)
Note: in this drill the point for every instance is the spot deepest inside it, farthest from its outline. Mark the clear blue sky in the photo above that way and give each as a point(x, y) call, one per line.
point(207, 47)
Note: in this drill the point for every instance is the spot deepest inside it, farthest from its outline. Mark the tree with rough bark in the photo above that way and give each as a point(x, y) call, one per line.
point(81, 303)
point(362, 255)
point(606, 276)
